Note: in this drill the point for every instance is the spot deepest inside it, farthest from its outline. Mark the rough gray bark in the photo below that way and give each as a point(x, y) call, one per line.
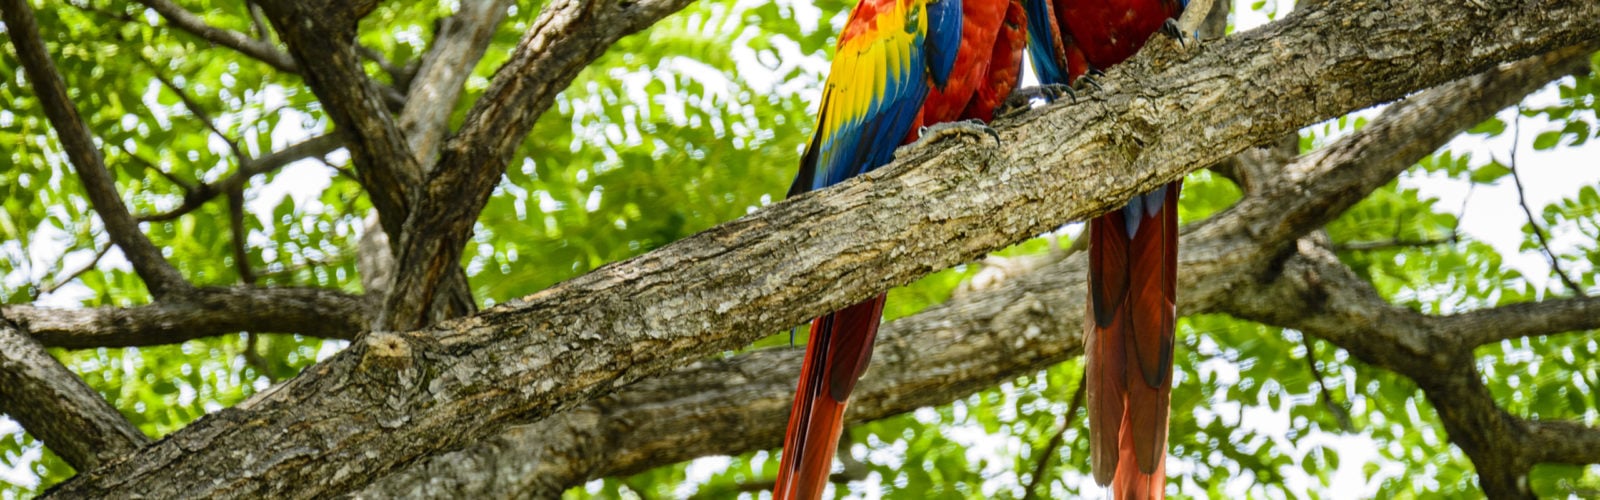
point(321, 37)
point(456, 49)
point(395, 397)
point(207, 312)
point(57, 407)
point(1025, 324)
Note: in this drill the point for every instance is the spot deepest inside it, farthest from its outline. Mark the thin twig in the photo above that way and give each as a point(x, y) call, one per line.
point(253, 358)
point(259, 22)
point(1042, 460)
point(241, 251)
point(399, 74)
point(1340, 413)
point(75, 274)
point(1522, 199)
point(1366, 246)
point(195, 109)
point(315, 147)
point(180, 18)
point(182, 184)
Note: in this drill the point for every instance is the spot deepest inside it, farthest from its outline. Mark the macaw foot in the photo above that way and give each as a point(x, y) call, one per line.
point(1090, 79)
point(941, 131)
point(1022, 100)
point(1171, 29)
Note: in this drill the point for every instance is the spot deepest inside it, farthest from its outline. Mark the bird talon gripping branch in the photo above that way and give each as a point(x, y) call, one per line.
point(947, 130)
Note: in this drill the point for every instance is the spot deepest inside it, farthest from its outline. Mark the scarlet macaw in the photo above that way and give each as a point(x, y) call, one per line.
point(1133, 256)
point(900, 65)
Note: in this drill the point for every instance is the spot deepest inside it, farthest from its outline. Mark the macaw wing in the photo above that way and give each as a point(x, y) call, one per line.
point(889, 56)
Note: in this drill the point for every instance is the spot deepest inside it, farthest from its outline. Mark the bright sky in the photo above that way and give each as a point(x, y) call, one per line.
point(1491, 215)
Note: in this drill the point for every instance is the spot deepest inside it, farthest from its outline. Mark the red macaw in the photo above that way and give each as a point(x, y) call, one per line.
point(900, 65)
point(1133, 256)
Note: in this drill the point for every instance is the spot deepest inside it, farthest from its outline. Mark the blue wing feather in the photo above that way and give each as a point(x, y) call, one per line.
point(848, 143)
point(1044, 43)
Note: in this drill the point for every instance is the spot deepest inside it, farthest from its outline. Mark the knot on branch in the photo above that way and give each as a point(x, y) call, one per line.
point(386, 351)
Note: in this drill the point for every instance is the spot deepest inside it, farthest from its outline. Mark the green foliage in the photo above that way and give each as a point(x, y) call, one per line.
point(695, 122)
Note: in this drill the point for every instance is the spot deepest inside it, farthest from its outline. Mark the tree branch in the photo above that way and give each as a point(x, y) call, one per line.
point(567, 36)
point(1398, 142)
point(1533, 222)
point(1475, 328)
point(239, 236)
point(1318, 295)
point(322, 38)
point(159, 276)
point(59, 282)
point(197, 196)
point(1041, 461)
point(195, 109)
point(258, 49)
point(55, 406)
point(1367, 246)
point(459, 44)
point(977, 339)
point(394, 398)
point(206, 312)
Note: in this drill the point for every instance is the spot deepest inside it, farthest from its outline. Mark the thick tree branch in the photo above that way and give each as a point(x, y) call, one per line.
point(207, 312)
point(1477, 328)
point(456, 49)
point(393, 398)
point(1397, 142)
point(55, 406)
point(974, 341)
point(566, 37)
point(1557, 441)
point(159, 276)
point(1318, 295)
point(321, 37)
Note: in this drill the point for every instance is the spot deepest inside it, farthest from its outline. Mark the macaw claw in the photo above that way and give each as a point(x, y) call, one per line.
point(1090, 79)
point(1172, 30)
point(941, 131)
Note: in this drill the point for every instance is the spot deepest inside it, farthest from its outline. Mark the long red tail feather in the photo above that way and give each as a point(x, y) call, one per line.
point(836, 355)
point(1129, 329)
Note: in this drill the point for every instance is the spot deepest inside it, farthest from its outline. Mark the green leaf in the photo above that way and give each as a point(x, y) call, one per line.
point(1546, 140)
point(1489, 173)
